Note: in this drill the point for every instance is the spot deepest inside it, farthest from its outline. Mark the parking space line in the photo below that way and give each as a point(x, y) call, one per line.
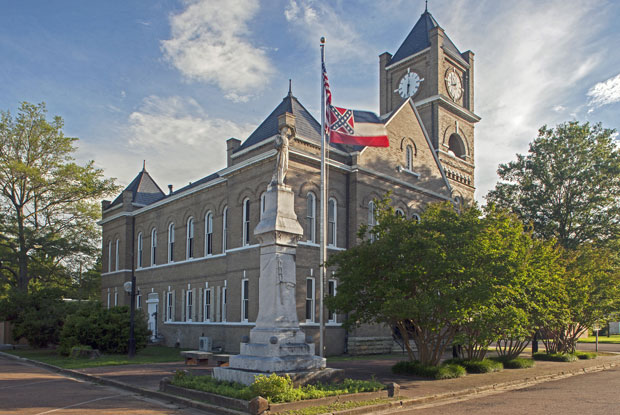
point(28, 384)
point(77, 404)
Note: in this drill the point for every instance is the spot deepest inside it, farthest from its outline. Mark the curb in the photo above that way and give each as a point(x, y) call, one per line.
point(404, 403)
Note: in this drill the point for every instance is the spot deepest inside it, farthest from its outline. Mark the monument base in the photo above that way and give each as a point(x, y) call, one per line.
point(299, 377)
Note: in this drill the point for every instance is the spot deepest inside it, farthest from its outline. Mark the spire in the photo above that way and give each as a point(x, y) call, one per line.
point(143, 165)
point(290, 88)
point(426, 7)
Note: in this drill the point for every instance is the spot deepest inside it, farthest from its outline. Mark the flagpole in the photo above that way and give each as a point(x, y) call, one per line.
point(322, 237)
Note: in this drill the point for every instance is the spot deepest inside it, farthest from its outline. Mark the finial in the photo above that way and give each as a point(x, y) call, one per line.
point(322, 40)
point(143, 165)
point(290, 87)
point(426, 7)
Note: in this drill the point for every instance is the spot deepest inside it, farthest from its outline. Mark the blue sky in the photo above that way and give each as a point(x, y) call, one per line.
point(169, 81)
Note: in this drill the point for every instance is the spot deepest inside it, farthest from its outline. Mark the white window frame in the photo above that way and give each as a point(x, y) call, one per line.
point(311, 217)
point(416, 217)
point(207, 311)
point(117, 255)
point(310, 300)
point(109, 294)
point(409, 156)
point(245, 300)
point(115, 298)
point(189, 241)
point(189, 305)
point(399, 212)
point(138, 300)
point(170, 306)
point(171, 242)
point(332, 317)
point(334, 222)
point(209, 234)
point(224, 302)
point(262, 204)
point(109, 256)
point(139, 264)
point(246, 222)
point(225, 229)
point(371, 218)
point(153, 246)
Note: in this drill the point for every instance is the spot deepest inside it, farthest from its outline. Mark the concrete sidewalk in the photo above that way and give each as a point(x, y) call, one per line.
point(146, 377)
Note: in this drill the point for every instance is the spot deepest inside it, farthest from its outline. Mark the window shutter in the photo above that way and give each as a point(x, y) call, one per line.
point(184, 307)
point(199, 306)
point(216, 305)
point(174, 308)
point(162, 310)
point(195, 305)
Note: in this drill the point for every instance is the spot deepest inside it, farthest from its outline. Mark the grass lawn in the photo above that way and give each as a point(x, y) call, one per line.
point(151, 354)
point(613, 339)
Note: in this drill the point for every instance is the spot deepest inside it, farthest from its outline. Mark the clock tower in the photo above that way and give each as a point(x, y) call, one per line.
point(429, 69)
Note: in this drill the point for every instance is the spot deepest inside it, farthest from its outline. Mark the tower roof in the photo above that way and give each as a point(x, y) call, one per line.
point(144, 190)
point(305, 124)
point(419, 39)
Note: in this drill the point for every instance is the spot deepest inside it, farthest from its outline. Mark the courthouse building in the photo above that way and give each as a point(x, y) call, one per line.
point(195, 257)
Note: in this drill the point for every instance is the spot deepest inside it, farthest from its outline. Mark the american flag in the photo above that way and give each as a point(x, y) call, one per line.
point(328, 100)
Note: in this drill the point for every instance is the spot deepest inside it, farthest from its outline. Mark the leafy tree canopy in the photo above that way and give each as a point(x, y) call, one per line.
point(567, 186)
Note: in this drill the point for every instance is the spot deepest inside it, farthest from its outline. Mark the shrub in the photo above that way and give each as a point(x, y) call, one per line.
point(445, 371)
point(516, 363)
point(481, 366)
point(554, 357)
point(103, 329)
point(586, 355)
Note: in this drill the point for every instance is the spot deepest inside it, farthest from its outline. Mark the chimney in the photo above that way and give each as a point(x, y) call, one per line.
point(169, 189)
point(286, 119)
point(384, 91)
point(232, 144)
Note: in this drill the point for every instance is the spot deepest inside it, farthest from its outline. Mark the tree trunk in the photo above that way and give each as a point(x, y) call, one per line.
point(22, 279)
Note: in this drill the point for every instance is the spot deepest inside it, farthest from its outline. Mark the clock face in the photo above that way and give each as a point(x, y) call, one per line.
point(453, 85)
point(409, 84)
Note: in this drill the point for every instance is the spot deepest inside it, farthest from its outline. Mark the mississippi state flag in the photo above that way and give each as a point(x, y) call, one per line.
point(358, 128)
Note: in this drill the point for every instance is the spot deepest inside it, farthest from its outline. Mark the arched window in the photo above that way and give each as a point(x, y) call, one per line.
point(371, 218)
point(246, 222)
point(310, 217)
point(139, 250)
point(416, 217)
point(189, 250)
point(409, 155)
point(209, 234)
point(262, 205)
point(225, 229)
point(332, 222)
point(171, 242)
point(153, 246)
point(117, 256)
point(399, 212)
point(456, 146)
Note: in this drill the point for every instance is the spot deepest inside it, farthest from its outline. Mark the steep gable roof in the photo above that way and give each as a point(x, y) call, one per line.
point(144, 190)
point(306, 125)
point(419, 39)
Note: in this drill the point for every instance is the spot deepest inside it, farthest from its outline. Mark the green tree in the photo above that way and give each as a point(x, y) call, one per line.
point(567, 186)
point(420, 277)
point(48, 202)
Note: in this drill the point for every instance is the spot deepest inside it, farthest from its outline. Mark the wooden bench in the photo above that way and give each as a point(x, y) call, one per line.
point(196, 357)
point(221, 359)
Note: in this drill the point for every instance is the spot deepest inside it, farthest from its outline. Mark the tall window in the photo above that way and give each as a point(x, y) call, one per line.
point(140, 250)
point(115, 298)
point(409, 155)
point(245, 299)
point(109, 292)
point(190, 239)
point(309, 300)
point(138, 300)
point(371, 218)
point(331, 291)
point(170, 306)
point(209, 234)
point(109, 258)
point(171, 242)
point(262, 204)
point(225, 230)
point(246, 222)
point(332, 222)
point(206, 315)
point(117, 255)
point(311, 217)
point(189, 305)
point(224, 302)
point(153, 246)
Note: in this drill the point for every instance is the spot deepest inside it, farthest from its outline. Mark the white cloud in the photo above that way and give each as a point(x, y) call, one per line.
point(313, 20)
point(529, 55)
point(211, 43)
point(177, 138)
point(604, 93)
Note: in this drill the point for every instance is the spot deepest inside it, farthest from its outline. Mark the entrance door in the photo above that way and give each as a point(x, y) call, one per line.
point(152, 303)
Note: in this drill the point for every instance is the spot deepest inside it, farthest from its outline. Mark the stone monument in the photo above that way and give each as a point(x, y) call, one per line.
point(277, 344)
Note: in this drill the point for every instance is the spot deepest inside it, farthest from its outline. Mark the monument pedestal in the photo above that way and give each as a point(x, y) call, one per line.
point(276, 344)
